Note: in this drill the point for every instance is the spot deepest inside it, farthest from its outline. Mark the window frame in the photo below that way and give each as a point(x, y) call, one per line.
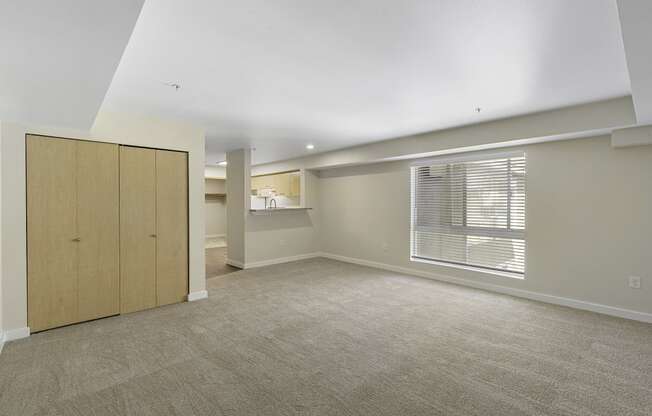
point(506, 232)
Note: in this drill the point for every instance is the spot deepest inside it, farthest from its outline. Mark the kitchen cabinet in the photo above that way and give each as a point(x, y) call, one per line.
point(284, 184)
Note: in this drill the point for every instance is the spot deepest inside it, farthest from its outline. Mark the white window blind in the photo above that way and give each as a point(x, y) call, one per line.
point(471, 212)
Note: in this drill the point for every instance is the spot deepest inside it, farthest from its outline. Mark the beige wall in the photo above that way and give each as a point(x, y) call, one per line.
point(588, 221)
point(274, 237)
point(583, 120)
point(237, 204)
point(215, 172)
point(215, 208)
point(109, 127)
point(215, 186)
point(1, 326)
point(286, 234)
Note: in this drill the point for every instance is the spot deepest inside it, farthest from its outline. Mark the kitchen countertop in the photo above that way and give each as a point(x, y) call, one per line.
point(270, 210)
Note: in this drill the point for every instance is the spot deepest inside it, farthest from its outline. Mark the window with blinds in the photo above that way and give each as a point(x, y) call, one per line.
point(471, 212)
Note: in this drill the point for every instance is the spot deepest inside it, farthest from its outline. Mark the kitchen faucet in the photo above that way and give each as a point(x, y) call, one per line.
point(270, 203)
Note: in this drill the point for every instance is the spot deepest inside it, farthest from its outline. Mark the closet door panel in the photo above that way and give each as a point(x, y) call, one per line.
point(137, 229)
point(99, 229)
point(52, 252)
point(172, 226)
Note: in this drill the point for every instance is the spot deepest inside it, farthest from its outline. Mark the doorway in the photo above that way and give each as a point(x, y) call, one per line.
point(215, 243)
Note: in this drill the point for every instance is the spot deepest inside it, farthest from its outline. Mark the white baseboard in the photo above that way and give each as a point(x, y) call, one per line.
point(235, 263)
point(280, 260)
point(200, 294)
point(14, 334)
point(542, 297)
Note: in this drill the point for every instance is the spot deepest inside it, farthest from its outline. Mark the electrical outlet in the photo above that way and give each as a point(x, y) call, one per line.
point(385, 247)
point(281, 242)
point(634, 282)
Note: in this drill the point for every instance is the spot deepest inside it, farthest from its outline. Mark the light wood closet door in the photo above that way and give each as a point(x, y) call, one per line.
point(137, 229)
point(172, 226)
point(52, 252)
point(99, 229)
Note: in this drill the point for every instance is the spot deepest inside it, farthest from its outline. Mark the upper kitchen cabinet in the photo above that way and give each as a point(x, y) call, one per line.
point(295, 183)
point(279, 190)
point(280, 184)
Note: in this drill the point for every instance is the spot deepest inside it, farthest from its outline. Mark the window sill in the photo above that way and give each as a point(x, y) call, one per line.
point(470, 268)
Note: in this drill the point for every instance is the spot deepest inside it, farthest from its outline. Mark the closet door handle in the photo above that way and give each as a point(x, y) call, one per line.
point(76, 239)
point(153, 235)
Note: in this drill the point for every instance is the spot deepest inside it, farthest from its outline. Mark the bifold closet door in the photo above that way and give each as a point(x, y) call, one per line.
point(52, 251)
point(72, 231)
point(171, 226)
point(99, 229)
point(137, 229)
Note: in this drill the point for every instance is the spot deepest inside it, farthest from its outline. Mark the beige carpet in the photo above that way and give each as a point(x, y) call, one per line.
point(319, 337)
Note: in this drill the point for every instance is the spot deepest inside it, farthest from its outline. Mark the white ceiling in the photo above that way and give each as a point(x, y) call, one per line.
point(58, 57)
point(277, 75)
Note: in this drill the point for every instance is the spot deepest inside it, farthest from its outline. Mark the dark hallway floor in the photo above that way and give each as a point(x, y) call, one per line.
point(216, 262)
